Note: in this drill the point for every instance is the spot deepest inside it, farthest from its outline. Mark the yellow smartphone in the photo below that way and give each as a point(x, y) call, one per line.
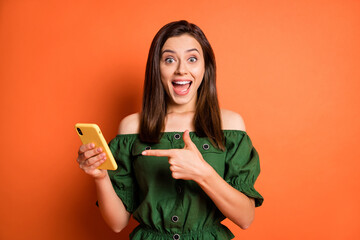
point(91, 133)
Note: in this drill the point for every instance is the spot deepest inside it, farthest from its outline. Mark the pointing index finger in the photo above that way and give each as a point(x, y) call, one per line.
point(158, 152)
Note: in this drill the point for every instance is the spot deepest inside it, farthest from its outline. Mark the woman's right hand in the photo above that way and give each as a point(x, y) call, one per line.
point(89, 158)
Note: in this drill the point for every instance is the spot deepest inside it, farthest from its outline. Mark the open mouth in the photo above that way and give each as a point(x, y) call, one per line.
point(181, 87)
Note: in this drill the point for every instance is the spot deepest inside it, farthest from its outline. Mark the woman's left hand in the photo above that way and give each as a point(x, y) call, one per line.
point(186, 163)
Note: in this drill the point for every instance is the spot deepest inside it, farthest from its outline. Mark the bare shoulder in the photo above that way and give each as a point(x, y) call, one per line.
point(232, 120)
point(130, 124)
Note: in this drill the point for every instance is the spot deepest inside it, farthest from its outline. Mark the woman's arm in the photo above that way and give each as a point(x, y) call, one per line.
point(232, 203)
point(111, 207)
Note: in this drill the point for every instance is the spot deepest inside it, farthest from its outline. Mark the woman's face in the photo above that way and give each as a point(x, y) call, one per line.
point(182, 68)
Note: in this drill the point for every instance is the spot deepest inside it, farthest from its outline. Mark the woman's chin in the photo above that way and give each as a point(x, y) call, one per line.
point(182, 100)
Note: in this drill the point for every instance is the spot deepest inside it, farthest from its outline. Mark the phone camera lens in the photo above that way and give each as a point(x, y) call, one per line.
point(79, 131)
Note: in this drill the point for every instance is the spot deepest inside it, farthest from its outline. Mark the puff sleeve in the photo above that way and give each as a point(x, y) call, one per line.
point(242, 165)
point(123, 178)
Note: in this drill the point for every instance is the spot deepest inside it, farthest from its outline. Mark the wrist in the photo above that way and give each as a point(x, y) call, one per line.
point(207, 173)
point(101, 177)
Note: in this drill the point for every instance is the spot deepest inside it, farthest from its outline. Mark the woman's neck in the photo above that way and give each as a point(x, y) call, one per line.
point(179, 121)
point(174, 108)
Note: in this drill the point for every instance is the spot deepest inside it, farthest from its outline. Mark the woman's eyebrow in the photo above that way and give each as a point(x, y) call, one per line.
point(172, 51)
point(168, 50)
point(192, 49)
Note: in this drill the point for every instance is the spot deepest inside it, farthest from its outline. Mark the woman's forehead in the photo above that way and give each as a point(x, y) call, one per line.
point(182, 43)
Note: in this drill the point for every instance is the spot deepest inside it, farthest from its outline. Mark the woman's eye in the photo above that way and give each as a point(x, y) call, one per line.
point(169, 60)
point(192, 59)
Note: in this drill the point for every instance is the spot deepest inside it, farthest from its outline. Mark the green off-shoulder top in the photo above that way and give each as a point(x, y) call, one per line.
point(167, 208)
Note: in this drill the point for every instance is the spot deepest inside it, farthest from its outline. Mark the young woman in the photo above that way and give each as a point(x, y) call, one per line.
point(183, 164)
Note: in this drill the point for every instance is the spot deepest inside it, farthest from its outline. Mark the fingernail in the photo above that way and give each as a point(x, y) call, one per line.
point(143, 153)
point(99, 150)
point(92, 145)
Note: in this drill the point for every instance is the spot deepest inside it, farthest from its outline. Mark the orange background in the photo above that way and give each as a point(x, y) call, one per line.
point(290, 68)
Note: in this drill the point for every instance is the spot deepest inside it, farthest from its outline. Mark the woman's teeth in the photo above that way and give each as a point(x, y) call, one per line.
point(181, 82)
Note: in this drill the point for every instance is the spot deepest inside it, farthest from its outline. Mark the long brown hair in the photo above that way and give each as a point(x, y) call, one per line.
point(207, 120)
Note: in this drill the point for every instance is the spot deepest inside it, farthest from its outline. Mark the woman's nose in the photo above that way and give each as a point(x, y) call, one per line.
point(181, 68)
